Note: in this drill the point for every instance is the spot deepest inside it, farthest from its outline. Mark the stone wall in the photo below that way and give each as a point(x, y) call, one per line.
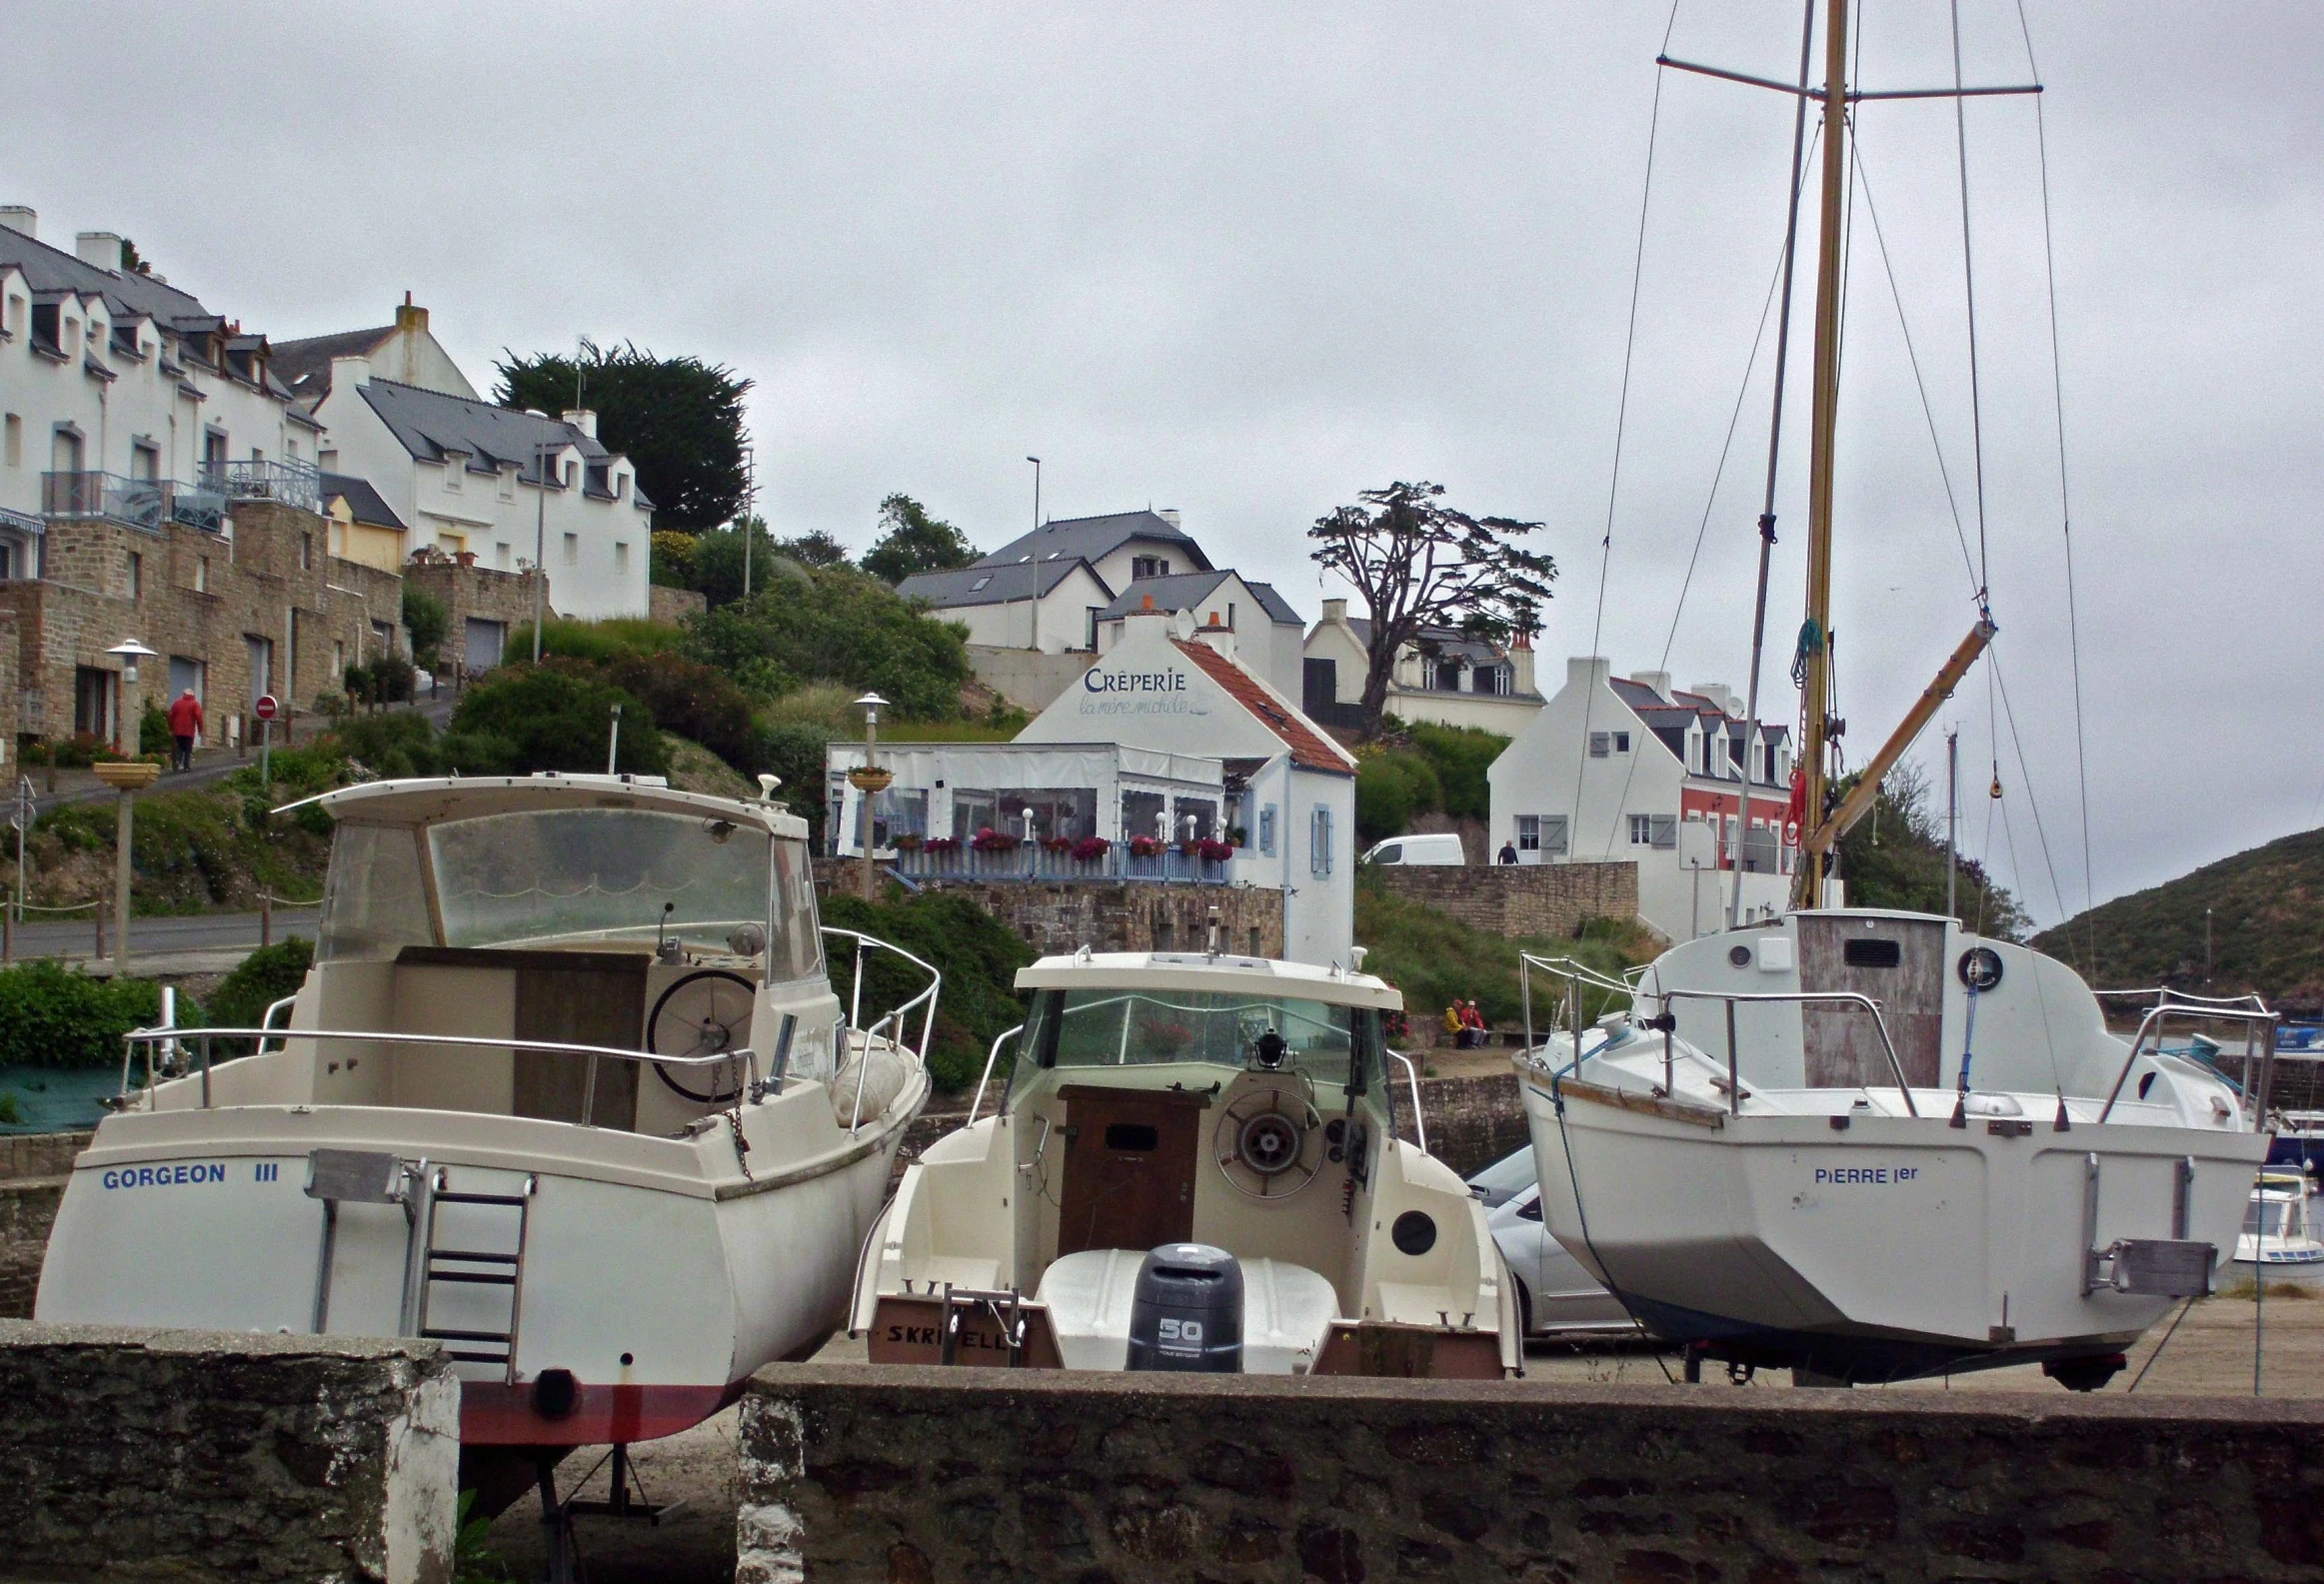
point(1472, 1122)
point(1028, 679)
point(673, 605)
point(1520, 900)
point(481, 592)
point(199, 596)
point(195, 1456)
point(33, 1170)
point(892, 1474)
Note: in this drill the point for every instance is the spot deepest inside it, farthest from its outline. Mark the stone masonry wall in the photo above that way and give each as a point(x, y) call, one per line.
point(197, 1456)
point(33, 1170)
point(673, 605)
point(505, 597)
point(1520, 900)
point(200, 596)
point(904, 1475)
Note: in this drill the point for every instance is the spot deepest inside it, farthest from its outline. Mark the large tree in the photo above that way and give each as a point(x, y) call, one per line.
point(680, 420)
point(1423, 567)
point(912, 540)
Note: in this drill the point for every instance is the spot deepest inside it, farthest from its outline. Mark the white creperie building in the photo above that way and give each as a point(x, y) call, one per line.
point(1289, 790)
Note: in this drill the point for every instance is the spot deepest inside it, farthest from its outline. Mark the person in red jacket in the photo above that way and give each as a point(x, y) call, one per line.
point(185, 715)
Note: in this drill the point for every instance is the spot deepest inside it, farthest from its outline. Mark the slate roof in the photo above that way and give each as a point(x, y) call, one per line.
point(1310, 749)
point(304, 366)
point(1682, 709)
point(428, 424)
point(1186, 590)
point(363, 502)
point(949, 590)
point(1449, 642)
point(1093, 539)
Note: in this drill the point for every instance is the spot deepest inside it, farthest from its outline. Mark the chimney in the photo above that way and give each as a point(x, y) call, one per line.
point(1170, 515)
point(1521, 666)
point(21, 220)
point(1720, 693)
point(1584, 668)
point(1219, 637)
point(1146, 603)
point(1335, 611)
point(100, 248)
point(411, 320)
point(1660, 680)
point(582, 419)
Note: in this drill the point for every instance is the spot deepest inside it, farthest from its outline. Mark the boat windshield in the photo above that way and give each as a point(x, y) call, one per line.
point(560, 874)
point(2265, 1217)
point(1115, 1027)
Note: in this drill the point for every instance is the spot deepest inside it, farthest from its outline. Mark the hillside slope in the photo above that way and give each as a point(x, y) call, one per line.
point(2267, 927)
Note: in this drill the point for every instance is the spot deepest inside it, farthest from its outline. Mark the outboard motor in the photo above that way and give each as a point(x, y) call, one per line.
point(1187, 1311)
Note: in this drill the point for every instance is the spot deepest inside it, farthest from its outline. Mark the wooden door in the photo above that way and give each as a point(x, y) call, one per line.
point(1130, 1157)
point(1898, 962)
point(583, 1000)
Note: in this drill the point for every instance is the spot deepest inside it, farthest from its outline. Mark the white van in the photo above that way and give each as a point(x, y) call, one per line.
point(1443, 847)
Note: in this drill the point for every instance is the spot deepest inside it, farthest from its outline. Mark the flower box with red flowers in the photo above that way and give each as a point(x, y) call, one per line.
point(992, 841)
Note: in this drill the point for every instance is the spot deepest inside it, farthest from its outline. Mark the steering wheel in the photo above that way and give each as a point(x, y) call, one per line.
point(1269, 1143)
point(702, 1014)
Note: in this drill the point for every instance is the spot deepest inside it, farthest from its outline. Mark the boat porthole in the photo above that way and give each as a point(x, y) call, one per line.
point(628, 1359)
point(1414, 1232)
point(1741, 957)
point(2144, 1084)
point(1980, 968)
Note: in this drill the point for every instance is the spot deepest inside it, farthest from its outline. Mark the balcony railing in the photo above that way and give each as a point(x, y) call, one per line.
point(142, 502)
point(1031, 862)
point(298, 484)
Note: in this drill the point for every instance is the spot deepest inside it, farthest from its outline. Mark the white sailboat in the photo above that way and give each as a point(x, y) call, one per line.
point(1867, 1144)
point(567, 1089)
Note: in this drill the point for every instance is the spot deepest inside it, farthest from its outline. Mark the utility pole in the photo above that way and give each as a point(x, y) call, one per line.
point(750, 514)
point(2206, 948)
point(540, 545)
point(1035, 558)
point(1952, 817)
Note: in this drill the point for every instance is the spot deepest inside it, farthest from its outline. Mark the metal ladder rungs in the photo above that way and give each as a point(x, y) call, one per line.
point(476, 1278)
point(473, 1256)
point(512, 1200)
point(439, 1334)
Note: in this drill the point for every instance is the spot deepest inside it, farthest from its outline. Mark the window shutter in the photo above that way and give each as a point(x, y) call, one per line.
point(1665, 831)
point(1553, 832)
point(1599, 743)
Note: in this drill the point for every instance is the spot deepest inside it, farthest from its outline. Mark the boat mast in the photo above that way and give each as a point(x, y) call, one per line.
point(1815, 639)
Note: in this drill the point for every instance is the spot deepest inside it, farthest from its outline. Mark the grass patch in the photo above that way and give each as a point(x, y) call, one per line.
point(1435, 959)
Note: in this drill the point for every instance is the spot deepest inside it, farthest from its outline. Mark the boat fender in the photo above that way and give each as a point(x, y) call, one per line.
point(555, 1393)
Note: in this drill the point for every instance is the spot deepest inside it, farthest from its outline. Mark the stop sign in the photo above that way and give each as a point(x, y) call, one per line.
point(266, 709)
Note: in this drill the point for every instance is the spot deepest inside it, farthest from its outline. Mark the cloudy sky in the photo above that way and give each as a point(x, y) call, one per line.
point(1244, 261)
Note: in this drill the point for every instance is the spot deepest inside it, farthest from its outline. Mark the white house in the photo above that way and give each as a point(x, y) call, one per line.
point(1168, 687)
point(123, 396)
point(1448, 679)
point(1030, 790)
point(469, 477)
point(1615, 768)
point(1065, 588)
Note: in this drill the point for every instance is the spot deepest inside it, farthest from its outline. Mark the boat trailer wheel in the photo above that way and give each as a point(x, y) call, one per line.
point(1269, 1143)
point(700, 1015)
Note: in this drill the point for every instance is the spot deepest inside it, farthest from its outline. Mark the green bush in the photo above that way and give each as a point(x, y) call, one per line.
point(50, 1017)
point(671, 558)
point(261, 979)
point(523, 719)
point(794, 751)
point(1391, 789)
point(835, 623)
point(428, 620)
point(1459, 756)
point(153, 732)
point(977, 955)
point(391, 746)
point(1435, 959)
point(599, 640)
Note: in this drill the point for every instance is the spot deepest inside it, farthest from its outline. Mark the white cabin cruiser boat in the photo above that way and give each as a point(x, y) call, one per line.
point(567, 1089)
point(1870, 1145)
point(1179, 1104)
point(2277, 1228)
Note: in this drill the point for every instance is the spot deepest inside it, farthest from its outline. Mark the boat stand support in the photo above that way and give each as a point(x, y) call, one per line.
point(619, 1503)
point(556, 1530)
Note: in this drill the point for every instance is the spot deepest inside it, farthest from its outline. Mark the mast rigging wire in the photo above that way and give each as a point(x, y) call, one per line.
point(1969, 292)
point(1621, 424)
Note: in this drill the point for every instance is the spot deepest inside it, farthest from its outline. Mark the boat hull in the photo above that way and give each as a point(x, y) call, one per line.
point(645, 1302)
point(1893, 1249)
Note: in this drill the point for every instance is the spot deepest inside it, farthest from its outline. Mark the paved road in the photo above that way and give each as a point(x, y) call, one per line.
point(197, 933)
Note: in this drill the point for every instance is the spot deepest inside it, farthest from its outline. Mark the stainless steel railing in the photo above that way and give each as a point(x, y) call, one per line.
point(990, 1056)
point(2245, 1010)
point(894, 1024)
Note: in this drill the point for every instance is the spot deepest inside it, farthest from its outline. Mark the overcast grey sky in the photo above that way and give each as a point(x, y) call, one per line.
point(1245, 261)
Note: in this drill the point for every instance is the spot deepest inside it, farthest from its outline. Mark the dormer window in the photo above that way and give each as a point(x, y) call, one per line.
point(1149, 567)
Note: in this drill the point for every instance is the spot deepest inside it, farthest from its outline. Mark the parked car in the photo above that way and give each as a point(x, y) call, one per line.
point(1555, 1296)
point(1438, 847)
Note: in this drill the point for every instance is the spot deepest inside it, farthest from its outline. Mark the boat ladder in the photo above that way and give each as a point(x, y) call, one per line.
point(434, 1265)
point(967, 1307)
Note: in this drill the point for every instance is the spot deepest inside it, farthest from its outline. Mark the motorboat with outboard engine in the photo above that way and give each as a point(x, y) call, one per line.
point(567, 1089)
point(1871, 1146)
point(2277, 1228)
point(1204, 1119)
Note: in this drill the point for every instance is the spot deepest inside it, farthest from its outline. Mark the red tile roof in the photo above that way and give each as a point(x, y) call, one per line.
point(1310, 749)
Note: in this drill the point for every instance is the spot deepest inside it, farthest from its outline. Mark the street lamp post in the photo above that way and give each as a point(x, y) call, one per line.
point(869, 781)
point(540, 545)
point(128, 651)
point(127, 779)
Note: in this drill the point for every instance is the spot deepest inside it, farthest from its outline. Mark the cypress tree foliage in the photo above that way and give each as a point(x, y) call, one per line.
point(679, 420)
point(912, 540)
